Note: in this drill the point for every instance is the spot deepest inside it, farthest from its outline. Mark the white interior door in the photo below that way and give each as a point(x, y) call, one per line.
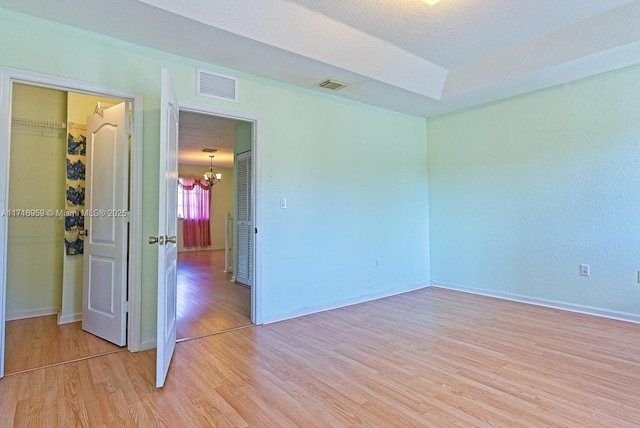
point(104, 291)
point(244, 223)
point(168, 224)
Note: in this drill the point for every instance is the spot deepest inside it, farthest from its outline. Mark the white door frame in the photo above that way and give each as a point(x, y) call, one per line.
point(8, 76)
point(256, 150)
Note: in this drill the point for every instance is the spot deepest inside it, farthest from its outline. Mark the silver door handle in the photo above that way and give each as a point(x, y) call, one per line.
point(171, 239)
point(160, 240)
point(84, 232)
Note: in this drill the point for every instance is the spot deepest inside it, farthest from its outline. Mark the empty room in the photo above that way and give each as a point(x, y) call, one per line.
point(418, 213)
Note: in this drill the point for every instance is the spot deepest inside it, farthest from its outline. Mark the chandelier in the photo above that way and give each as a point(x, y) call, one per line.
point(212, 177)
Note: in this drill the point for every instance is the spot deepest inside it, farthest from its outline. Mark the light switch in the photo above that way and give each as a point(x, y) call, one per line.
point(585, 270)
point(283, 203)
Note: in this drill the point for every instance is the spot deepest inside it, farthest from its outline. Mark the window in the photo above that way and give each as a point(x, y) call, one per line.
point(194, 202)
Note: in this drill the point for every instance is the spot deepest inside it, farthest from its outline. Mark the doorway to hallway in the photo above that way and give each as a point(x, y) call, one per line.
point(209, 299)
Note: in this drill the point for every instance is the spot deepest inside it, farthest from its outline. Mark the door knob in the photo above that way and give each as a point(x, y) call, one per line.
point(171, 239)
point(159, 240)
point(84, 232)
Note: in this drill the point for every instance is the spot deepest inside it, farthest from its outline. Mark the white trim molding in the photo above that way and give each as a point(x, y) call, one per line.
point(563, 306)
point(67, 319)
point(39, 312)
point(5, 139)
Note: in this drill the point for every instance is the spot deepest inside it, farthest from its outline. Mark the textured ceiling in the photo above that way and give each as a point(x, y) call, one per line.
point(200, 131)
point(399, 54)
point(455, 32)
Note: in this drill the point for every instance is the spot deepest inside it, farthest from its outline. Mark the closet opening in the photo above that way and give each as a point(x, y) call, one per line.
point(62, 217)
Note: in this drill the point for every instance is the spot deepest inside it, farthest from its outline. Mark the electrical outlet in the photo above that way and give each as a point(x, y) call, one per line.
point(376, 263)
point(585, 270)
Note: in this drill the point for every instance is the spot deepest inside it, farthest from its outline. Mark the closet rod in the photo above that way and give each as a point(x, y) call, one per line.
point(37, 123)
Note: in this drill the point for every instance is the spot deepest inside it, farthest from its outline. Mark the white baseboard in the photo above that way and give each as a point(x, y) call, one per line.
point(66, 319)
point(570, 307)
point(145, 345)
point(340, 303)
point(31, 313)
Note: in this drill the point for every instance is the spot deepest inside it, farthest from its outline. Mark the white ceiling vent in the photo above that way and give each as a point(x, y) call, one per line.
point(210, 84)
point(334, 85)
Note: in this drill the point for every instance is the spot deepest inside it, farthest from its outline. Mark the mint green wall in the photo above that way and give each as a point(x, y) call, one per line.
point(356, 187)
point(242, 137)
point(355, 176)
point(523, 191)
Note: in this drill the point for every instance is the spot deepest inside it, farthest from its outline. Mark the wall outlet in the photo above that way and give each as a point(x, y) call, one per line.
point(376, 264)
point(585, 270)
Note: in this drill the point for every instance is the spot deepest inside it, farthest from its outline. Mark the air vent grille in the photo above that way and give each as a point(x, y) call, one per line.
point(216, 85)
point(332, 84)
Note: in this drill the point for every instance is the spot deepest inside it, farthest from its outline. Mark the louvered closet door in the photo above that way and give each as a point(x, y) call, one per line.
point(244, 225)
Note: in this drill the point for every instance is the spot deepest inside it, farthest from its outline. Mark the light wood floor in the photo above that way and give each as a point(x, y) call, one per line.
point(38, 342)
point(208, 302)
point(432, 357)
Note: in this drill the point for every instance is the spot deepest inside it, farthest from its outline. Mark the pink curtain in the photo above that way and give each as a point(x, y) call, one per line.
point(197, 201)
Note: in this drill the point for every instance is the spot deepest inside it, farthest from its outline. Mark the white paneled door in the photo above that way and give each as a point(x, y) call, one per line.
point(104, 292)
point(168, 226)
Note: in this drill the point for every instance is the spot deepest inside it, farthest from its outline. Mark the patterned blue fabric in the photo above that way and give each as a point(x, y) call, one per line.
point(74, 222)
point(77, 147)
point(76, 166)
point(75, 196)
point(75, 247)
point(75, 170)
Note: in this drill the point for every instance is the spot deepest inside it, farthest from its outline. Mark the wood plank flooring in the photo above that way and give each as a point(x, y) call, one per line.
point(208, 302)
point(38, 342)
point(429, 358)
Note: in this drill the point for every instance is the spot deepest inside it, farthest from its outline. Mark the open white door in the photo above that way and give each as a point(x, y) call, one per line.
point(168, 224)
point(104, 291)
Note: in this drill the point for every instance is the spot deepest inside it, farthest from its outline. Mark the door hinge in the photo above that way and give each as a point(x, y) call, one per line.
point(127, 217)
point(127, 128)
point(256, 230)
point(125, 307)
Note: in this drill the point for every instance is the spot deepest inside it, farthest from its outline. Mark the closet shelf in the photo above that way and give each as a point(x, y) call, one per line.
point(37, 123)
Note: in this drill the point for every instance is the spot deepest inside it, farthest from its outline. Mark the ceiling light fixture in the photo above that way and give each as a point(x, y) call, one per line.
point(431, 2)
point(211, 177)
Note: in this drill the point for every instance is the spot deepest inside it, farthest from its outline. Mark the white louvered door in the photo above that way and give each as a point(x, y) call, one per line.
point(244, 222)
